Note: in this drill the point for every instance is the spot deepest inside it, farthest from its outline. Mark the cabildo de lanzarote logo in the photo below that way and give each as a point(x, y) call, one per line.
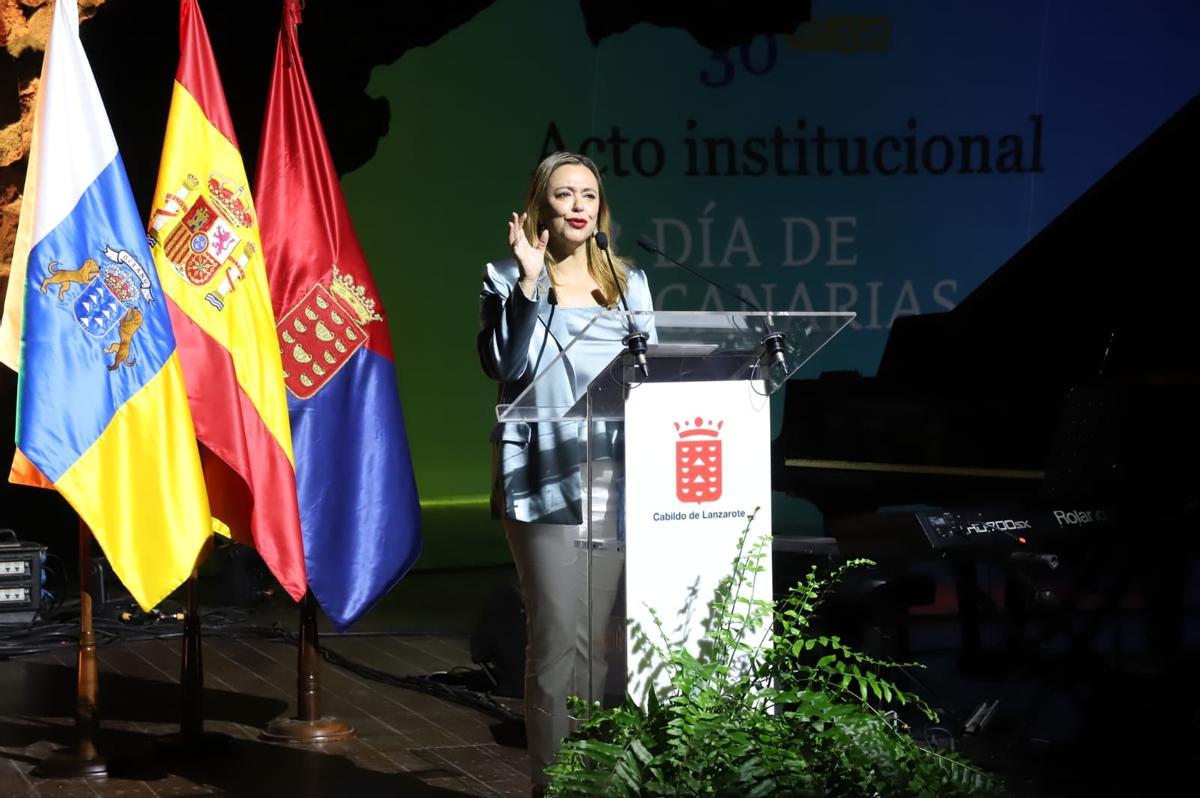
point(698, 460)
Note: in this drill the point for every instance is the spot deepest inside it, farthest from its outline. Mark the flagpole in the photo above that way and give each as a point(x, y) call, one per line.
point(309, 726)
point(191, 669)
point(83, 759)
point(191, 737)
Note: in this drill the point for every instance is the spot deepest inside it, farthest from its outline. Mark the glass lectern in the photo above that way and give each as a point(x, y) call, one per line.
point(673, 460)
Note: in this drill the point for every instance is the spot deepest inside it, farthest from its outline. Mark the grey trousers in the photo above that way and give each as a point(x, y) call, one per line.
point(552, 564)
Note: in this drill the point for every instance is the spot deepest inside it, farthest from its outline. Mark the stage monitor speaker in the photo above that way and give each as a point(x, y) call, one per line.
point(21, 579)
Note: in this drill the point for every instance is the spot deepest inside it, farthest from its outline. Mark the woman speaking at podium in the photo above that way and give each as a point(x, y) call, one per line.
point(531, 306)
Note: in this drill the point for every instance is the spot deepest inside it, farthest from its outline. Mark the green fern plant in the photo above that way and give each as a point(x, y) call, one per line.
point(802, 714)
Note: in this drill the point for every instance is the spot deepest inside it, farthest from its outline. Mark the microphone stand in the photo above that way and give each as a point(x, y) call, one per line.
point(772, 341)
point(636, 340)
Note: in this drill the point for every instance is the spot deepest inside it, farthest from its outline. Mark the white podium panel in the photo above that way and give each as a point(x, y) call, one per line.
point(697, 465)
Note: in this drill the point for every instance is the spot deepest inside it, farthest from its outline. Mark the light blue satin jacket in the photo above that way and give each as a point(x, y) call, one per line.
point(538, 464)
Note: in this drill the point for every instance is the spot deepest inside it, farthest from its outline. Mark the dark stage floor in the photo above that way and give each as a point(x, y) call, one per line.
point(1086, 709)
point(408, 742)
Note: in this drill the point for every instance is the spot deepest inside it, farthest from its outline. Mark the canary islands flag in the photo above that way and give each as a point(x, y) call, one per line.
point(204, 230)
point(102, 413)
point(358, 499)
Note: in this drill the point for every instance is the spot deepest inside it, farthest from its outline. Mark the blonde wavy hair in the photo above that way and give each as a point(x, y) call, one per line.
point(535, 203)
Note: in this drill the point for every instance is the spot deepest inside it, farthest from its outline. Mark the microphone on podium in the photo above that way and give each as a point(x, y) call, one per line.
point(772, 342)
point(635, 342)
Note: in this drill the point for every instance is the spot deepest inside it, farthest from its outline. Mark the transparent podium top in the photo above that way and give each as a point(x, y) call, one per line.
point(683, 346)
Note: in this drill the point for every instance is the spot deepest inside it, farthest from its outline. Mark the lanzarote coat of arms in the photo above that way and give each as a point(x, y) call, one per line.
point(109, 296)
point(321, 333)
point(202, 230)
point(698, 461)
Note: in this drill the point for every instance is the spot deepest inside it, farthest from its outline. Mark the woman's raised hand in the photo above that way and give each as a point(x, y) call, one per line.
point(531, 258)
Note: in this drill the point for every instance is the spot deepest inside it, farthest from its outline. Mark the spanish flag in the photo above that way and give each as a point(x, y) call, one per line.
point(102, 413)
point(204, 235)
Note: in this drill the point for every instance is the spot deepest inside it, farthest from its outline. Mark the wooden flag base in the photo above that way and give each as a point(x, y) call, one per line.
point(83, 759)
point(310, 727)
point(192, 740)
point(294, 730)
point(69, 764)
